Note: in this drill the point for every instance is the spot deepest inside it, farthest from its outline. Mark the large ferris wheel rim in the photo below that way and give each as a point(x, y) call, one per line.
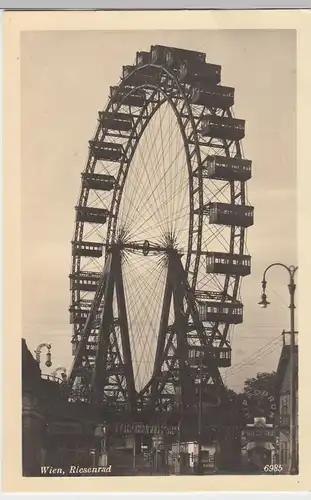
point(112, 218)
point(91, 164)
point(167, 98)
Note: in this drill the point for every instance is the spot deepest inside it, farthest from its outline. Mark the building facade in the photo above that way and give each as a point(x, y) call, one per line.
point(283, 390)
point(258, 445)
point(33, 423)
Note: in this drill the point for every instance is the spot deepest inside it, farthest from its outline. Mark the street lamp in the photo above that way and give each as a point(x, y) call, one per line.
point(63, 373)
point(264, 303)
point(38, 351)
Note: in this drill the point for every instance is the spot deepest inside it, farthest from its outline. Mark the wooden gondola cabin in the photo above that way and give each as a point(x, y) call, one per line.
point(231, 215)
point(98, 182)
point(91, 215)
point(121, 122)
point(215, 96)
point(227, 169)
point(87, 249)
point(142, 58)
point(108, 151)
point(192, 72)
point(78, 316)
point(85, 281)
point(129, 96)
point(221, 127)
point(221, 312)
point(226, 263)
point(199, 356)
point(131, 76)
point(173, 57)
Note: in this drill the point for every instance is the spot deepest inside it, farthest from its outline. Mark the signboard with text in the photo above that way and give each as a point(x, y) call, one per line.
point(146, 429)
point(259, 434)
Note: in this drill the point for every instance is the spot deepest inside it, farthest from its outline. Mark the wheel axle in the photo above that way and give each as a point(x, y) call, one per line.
point(145, 247)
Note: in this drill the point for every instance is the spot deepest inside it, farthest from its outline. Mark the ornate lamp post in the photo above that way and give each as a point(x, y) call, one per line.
point(293, 403)
point(63, 373)
point(38, 351)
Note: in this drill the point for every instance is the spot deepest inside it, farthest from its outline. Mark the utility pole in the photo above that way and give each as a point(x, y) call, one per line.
point(180, 419)
point(178, 447)
point(134, 453)
point(293, 366)
point(293, 399)
point(200, 422)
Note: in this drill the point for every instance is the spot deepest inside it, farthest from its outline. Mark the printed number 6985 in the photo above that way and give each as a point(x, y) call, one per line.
point(273, 468)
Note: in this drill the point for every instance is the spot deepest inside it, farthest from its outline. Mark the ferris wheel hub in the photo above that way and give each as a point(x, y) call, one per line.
point(146, 247)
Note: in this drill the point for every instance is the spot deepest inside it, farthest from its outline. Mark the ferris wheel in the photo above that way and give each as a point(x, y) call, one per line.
point(159, 247)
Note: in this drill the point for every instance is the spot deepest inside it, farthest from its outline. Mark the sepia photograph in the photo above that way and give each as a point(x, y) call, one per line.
point(159, 253)
point(155, 280)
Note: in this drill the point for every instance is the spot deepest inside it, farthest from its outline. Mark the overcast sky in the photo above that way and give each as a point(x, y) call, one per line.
point(65, 81)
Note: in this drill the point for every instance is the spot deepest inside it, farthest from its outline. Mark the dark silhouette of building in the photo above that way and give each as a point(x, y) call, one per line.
point(57, 433)
point(33, 423)
point(283, 384)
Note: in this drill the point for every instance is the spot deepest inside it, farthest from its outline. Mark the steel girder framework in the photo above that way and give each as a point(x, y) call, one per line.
point(200, 303)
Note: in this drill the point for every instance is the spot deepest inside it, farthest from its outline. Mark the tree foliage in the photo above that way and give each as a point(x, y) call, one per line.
point(257, 399)
point(260, 396)
point(263, 381)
